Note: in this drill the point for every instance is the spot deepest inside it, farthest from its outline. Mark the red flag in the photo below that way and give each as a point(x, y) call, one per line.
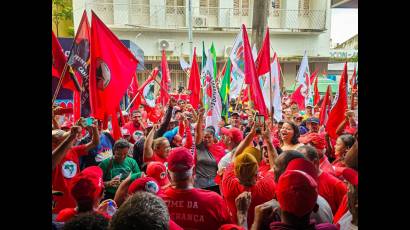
point(58, 62)
point(194, 83)
point(251, 75)
point(324, 109)
point(263, 61)
point(337, 112)
point(111, 69)
point(116, 130)
point(165, 79)
point(316, 95)
point(353, 83)
point(132, 91)
point(297, 95)
point(138, 100)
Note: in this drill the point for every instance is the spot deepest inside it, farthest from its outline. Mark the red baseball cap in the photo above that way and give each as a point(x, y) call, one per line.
point(147, 184)
point(88, 184)
point(303, 165)
point(317, 140)
point(296, 192)
point(231, 227)
point(234, 133)
point(158, 171)
point(180, 159)
point(351, 175)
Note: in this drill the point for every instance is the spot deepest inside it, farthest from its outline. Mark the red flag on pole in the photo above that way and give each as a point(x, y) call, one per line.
point(324, 109)
point(316, 95)
point(297, 95)
point(58, 62)
point(252, 77)
point(165, 79)
point(337, 112)
point(111, 69)
point(194, 83)
point(262, 63)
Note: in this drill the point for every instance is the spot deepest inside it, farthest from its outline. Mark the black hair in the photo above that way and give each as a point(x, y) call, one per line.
point(311, 152)
point(210, 129)
point(296, 132)
point(87, 221)
point(120, 144)
point(142, 210)
point(348, 140)
point(282, 161)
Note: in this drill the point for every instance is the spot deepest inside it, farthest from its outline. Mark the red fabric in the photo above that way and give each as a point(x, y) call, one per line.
point(296, 192)
point(351, 175)
point(68, 213)
point(343, 208)
point(332, 189)
point(263, 60)
point(234, 133)
point(196, 208)
point(63, 174)
point(264, 167)
point(180, 159)
point(115, 125)
point(316, 95)
point(189, 140)
point(132, 128)
point(88, 184)
point(158, 171)
point(326, 166)
point(231, 227)
point(262, 191)
point(174, 226)
point(165, 79)
point(217, 151)
point(59, 61)
point(251, 77)
point(337, 113)
point(297, 95)
point(121, 63)
point(325, 107)
point(140, 184)
point(155, 157)
point(194, 83)
point(303, 165)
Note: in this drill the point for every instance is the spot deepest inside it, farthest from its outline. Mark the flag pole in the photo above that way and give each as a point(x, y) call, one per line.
point(270, 95)
point(132, 101)
point(59, 83)
point(240, 92)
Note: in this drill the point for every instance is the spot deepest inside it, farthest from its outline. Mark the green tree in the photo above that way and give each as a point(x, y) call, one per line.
point(62, 11)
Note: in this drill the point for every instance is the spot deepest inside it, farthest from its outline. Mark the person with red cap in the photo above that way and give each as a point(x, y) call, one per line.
point(190, 207)
point(331, 188)
point(158, 171)
point(87, 188)
point(349, 220)
point(296, 193)
point(243, 175)
point(231, 139)
point(66, 162)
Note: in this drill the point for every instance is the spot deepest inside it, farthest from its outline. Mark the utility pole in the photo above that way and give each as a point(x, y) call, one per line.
point(190, 29)
point(259, 21)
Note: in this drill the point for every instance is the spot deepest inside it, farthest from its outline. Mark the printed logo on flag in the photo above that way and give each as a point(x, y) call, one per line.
point(152, 187)
point(69, 169)
point(148, 93)
point(103, 74)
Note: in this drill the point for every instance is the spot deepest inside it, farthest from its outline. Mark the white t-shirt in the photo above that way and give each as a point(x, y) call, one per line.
point(346, 222)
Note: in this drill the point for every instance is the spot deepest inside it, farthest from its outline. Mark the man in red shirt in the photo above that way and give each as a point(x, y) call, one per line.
point(189, 207)
point(331, 188)
point(135, 124)
point(69, 164)
point(242, 176)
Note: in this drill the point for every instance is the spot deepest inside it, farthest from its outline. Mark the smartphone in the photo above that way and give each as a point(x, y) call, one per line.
point(89, 121)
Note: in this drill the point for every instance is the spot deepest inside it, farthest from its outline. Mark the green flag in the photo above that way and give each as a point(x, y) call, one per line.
point(203, 56)
point(225, 86)
point(213, 54)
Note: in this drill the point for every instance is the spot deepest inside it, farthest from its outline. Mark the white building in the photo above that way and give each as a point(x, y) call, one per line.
point(294, 25)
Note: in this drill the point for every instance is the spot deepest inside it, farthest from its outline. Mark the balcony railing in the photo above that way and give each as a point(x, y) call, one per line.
point(204, 18)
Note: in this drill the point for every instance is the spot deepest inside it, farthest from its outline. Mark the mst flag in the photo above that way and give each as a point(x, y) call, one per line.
point(111, 69)
point(237, 61)
point(79, 60)
point(324, 109)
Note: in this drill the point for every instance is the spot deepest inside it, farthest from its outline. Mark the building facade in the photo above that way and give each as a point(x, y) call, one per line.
point(294, 25)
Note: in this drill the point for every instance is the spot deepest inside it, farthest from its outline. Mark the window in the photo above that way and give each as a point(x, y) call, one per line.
point(304, 7)
point(208, 7)
point(241, 7)
point(175, 7)
point(275, 8)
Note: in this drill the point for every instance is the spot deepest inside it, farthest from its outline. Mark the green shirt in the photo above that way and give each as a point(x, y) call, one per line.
point(129, 165)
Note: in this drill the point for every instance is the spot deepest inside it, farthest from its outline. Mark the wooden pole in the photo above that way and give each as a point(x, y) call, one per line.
point(59, 83)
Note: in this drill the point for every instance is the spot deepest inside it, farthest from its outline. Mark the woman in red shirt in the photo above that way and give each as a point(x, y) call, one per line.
point(343, 144)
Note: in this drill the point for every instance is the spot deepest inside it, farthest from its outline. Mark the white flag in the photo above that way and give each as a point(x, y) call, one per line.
point(237, 61)
point(277, 101)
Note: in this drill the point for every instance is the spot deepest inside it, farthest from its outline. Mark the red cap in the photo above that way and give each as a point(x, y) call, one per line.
point(231, 227)
point(317, 140)
point(303, 165)
point(147, 184)
point(351, 175)
point(180, 159)
point(88, 184)
point(296, 192)
point(233, 133)
point(275, 142)
point(158, 171)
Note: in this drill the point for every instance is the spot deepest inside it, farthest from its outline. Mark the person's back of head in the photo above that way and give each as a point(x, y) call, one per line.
point(246, 168)
point(283, 160)
point(142, 210)
point(87, 221)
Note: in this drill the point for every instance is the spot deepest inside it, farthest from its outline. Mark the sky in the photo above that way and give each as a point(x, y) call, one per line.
point(344, 24)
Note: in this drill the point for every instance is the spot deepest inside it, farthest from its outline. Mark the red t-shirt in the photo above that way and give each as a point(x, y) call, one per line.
point(132, 128)
point(196, 208)
point(343, 208)
point(262, 191)
point(332, 189)
point(155, 157)
point(68, 213)
point(326, 166)
point(62, 174)
point(264, 167)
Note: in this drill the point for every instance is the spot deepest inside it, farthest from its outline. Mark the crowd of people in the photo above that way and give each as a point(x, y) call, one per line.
point(181, 174)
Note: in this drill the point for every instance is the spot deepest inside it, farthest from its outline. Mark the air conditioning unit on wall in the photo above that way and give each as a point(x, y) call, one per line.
point(199, 21)
point(166, 44)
